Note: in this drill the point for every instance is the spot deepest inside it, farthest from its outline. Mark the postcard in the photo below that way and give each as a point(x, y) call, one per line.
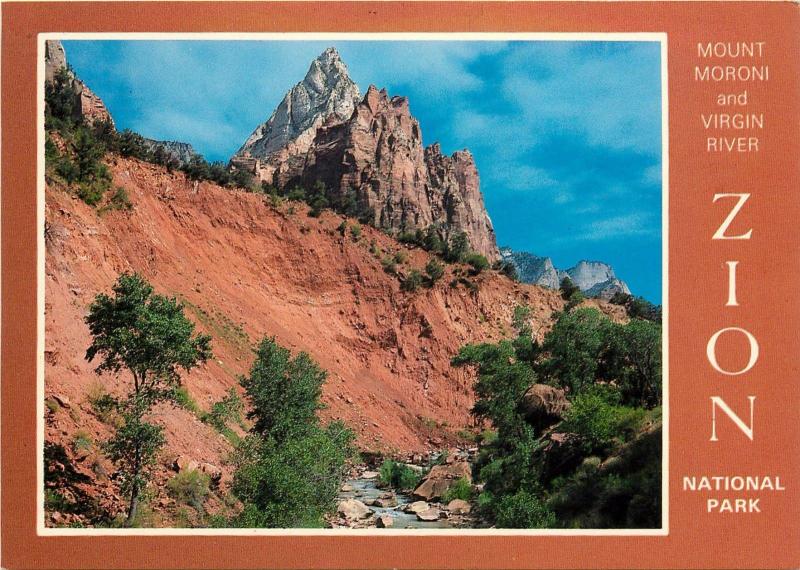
point(400, 285)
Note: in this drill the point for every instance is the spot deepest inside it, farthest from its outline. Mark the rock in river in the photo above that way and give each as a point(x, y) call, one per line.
point(429, 515)
point(353, 509)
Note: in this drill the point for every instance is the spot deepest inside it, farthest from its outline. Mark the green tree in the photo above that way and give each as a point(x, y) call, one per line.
point(60, 101)
point(284, 391)
point(635, 362)
point(149, 336)
point(457, 247)
point(575, 348)
point(568, 289)
point(289, 469)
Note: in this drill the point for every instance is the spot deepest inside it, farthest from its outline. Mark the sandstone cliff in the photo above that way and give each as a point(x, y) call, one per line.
point(373, 149)
point(88, 105)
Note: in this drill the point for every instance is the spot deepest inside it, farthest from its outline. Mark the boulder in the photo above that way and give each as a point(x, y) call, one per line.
point(183, 463)
point(544, 405)
point(346, 488)
point(353, 509)
point(370, 475)
point(384, 521)
point(214, 473)
point(385, 501)
point(459, 507)
point(429, 515)
point(441, 478)
point(416, 507)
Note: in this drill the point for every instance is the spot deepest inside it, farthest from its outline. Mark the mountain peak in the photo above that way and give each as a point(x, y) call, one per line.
point(326, 90)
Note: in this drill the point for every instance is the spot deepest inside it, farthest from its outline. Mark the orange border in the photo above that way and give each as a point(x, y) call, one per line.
point(767, 289)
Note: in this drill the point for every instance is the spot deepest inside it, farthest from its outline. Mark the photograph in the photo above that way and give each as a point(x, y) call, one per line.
point(353, 284)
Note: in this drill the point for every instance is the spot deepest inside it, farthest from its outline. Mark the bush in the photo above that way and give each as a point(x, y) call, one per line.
point(81, 441)
point(297, 194)
point(598, 421)
point(120, 200)
point(434, 270)
point(456, 248)
point(400, 257)
point(355, 231)
point(523, 510)
point(412, 282)
point(183, 399)
point(461, 489)
point(477, 261)
point(190, 487)
point(389, 266)
point(228, 409)
point(398, 475)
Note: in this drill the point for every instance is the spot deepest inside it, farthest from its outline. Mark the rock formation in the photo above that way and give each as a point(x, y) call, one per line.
point(88, 106)
point(370, 152)
point(326, 91)
point(180, 152)
point(593, 278)
point(544, 405)
point(596, 279)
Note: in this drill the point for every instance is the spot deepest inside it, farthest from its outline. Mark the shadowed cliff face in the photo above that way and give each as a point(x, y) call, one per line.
point(373, 148)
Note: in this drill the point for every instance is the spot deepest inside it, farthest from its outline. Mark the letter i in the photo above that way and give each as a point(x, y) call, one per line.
point(732, 301)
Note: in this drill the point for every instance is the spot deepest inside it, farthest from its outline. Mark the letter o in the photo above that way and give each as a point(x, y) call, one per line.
point(711, 351)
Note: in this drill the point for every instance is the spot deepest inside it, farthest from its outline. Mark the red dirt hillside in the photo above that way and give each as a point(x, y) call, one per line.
point(245, 269)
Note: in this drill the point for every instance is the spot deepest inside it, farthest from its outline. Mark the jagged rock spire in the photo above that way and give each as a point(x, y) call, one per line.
point(326, 91)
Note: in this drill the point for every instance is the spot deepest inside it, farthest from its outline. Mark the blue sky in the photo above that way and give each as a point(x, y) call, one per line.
point(566, 135)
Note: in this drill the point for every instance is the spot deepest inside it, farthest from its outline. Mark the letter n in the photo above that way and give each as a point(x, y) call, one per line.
point(716, 401)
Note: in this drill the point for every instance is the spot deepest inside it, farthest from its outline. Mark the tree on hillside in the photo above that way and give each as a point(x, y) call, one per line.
point(289, 469)
point(149, 336)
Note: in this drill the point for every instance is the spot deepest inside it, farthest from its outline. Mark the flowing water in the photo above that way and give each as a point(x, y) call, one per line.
point(365, 490)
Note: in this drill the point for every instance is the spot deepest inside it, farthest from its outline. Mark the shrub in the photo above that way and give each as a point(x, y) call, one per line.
point(389, 266)
point(598, 421)
point(461, 489)
point(81, 441)
point(342, 228)
point(182, 397)
point(355, 231)
point(477, 261)
point(120, 200)
point(523, 510)
point(297, 194)
point(506, 268)
point(52, 405)
point(190, 487)
point(412, 282)
point(398, 475)
point(434, 270)
point(400, 257)
point(228, 409)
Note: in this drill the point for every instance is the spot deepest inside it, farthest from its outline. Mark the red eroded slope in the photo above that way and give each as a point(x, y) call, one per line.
point(246, 269)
